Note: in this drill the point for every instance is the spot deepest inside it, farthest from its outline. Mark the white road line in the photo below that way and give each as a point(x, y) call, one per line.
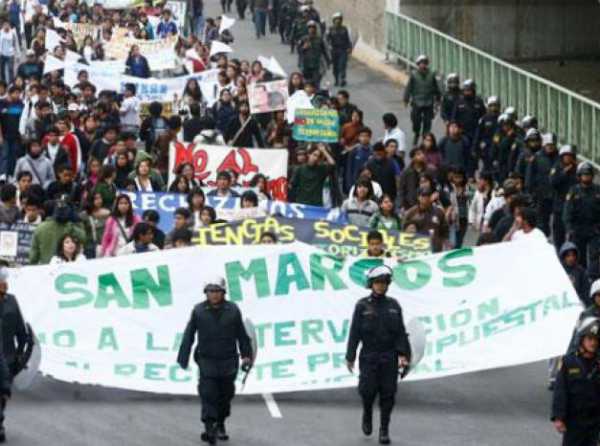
point(272, 405)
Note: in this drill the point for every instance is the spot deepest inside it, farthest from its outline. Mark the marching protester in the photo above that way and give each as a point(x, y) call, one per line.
point(385, 351)
point(216, 327)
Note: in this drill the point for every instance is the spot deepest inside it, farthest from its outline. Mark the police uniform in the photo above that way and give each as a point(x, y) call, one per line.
point(219, 331)
point(312, 52)
point(339, 40)
point(378, 325)
point(561, 181)
point(582, 222)
point(422, 91)
point(468, 110)
point(484, 139)
point(576, 400)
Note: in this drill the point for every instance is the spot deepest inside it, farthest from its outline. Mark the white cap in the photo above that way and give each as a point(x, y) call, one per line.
point(566, 150)
point(337, 15)
point(548, 138)
point(215, 282)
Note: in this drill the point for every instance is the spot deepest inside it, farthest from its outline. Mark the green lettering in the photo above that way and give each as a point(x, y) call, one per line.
point(319, 273)
point(125, 369)
point(257, 270)
point(109, 289)
point(144, 286)
point(152, 372)
point(173, 374)
point(108, 339)
point(488, 309)
point(312, 329)
point(358, 270)
point(316, 360)
point(466, 272)
point(460, 318)
point(340, 336)
point(81, 295)
point(284, 280)
point(281, 369)
point(412, 274)
point(282, 333)
point(64, 338)
point(150, 344)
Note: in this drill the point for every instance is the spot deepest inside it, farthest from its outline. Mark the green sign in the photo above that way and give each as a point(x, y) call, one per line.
point(316, 125)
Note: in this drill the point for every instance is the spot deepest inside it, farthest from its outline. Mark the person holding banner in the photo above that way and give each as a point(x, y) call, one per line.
point(218, 326)
point(378, 324)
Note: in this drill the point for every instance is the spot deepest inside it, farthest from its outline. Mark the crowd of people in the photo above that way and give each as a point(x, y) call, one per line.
point(69, 153)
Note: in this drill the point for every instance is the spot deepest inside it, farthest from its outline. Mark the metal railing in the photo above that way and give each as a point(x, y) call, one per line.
point(575, 118)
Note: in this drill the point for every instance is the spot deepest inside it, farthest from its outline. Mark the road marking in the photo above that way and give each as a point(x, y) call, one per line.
point(272, 405)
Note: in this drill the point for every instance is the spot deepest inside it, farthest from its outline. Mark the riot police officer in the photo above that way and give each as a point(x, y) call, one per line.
point(14, 342)
point(218, 327)
point(576, 401)
point(469, 109)
point(313, 53)
point(582, 218)
point(423, 93)
point(523, 158)
point(377, 323)
point(507, 145)
point(484, 135)
point(562, 178)
point(450, 97)
point(339, 40)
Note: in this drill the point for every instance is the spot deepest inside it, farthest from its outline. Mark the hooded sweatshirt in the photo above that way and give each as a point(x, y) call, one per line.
point(40, 167)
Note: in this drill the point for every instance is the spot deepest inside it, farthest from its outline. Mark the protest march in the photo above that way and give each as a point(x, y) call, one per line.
point(149, 168)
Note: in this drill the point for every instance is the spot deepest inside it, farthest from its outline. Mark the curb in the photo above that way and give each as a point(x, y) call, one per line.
point(376, 60)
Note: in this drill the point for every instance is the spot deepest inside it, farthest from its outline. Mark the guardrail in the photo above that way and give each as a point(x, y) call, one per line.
point(575, 118)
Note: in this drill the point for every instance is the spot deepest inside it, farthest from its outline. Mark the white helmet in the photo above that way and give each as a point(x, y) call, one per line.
point(590, 326)
point(4, 274)
point(493, 100)
point(215, 283)
point(378, 272)
point(595, 289)
point(337, 15)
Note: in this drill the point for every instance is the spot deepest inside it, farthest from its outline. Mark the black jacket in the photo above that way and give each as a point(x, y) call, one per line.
point(577, 391)
point(14, 332)
point(218, 331)
point(245, 138)
point(377, 323)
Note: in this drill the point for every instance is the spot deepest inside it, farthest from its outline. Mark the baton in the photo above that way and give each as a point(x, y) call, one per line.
point(246, 368)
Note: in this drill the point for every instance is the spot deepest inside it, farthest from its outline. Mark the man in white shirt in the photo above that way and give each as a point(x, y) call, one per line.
point(392, 131)
point(130, 111)
point(524, 227)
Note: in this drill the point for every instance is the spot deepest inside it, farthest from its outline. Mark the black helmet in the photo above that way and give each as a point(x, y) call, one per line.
point(452, 80)
point(585, 169)
point(379, 272)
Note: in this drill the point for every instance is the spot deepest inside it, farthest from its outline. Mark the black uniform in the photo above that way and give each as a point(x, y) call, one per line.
point(377, 323)
point(14, 341)
point(484, 140)
point(468, 110)
point(562, 181)
point(537, 182)
point(338, 38)
point(582, 222)
point(576, 399)
point(219, 330)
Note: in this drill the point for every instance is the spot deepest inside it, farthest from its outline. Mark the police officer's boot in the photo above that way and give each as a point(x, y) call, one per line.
point(210, 434)
point(2, 434)
point(221, 432)
point(367, 421)
point(384, 436)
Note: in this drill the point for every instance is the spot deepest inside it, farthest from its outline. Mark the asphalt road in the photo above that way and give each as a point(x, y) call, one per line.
point(496, 408)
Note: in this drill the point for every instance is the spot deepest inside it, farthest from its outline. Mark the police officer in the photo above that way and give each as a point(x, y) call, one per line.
point(484, 135)
point(313, 53)
point(14, 341)
point(522, 159)
point(450, 97)
point(218, 327)
point(469, 109)
point(299, 28)
point(377, 323)
point(339, 40)
point(422, 92)
point(582, 217)
point(537, 179)
point(576, 401)
point(562, 178)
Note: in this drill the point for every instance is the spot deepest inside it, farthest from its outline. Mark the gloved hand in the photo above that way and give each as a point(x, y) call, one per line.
point(246, 365)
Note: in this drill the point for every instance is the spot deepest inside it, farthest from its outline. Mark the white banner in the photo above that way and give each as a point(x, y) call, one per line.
point(148, 90)
point(160, 53)
point(118, 322)
point(208, 161)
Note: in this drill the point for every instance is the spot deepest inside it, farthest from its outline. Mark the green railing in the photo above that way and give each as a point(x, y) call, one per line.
point(574, 118)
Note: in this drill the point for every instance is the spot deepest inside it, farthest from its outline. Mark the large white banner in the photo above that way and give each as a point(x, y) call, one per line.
point(118, 322)
point(147, 90)
point(208, 161)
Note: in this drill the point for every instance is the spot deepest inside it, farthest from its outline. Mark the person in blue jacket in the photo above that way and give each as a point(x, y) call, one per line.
point(137, 65)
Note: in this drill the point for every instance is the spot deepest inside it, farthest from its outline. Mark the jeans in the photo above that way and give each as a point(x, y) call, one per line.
point(198, 26)
point(340, 62)
point(260, 22)
point(7, 68)
point(9, 150)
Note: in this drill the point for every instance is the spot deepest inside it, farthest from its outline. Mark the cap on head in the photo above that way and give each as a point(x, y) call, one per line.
point(422, 59)
point(532, 134)
point(215, 283)
point(585, 169)
point(567, 149)
point(590, 326)
point(381, 272)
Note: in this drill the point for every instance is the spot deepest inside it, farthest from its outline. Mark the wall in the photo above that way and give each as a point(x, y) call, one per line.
point(510, 29)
